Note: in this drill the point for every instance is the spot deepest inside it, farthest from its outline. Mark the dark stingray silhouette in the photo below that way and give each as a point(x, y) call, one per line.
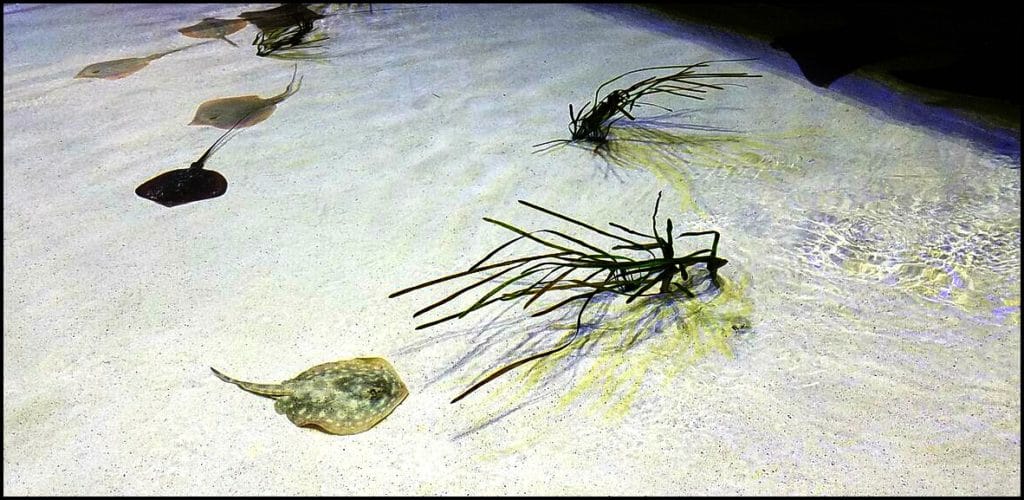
point(286, 31)
point(182, 186)
point(281, 17)
point(186, 185)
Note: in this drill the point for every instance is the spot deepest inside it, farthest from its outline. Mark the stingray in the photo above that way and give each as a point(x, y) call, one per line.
point(211, 27)
point(224, 112)
point(289, 14)
point(120, 68)
point(344, 397)
point(285, 28)
point(186, 185)
point(291, 42)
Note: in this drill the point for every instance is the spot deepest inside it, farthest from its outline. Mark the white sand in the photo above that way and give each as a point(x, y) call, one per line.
point(878, 362)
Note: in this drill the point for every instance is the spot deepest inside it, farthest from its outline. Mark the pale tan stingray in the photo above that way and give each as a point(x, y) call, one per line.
point(343, 397)
point(245, 111)
point(212, 27)
point(120, 68)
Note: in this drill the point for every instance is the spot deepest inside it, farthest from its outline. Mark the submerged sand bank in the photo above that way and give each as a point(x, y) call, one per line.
point(877, 265)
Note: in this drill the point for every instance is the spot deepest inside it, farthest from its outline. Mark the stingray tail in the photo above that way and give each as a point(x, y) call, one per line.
point(290, 90)
point(268, 390)
point(158, 55)
point(226, 39)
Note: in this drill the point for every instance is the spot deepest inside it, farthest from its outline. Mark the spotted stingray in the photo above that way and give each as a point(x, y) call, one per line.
point(343, 397)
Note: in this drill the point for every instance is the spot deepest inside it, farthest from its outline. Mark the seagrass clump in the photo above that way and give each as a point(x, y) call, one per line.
point(592, 124)
point(568, 265)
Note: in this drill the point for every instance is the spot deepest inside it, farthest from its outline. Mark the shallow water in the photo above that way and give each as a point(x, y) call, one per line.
point(873, 276)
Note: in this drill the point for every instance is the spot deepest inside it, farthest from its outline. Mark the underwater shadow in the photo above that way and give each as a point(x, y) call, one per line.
point(618, 348)
point(671, 149)
point(674, 151)
point(900, 102)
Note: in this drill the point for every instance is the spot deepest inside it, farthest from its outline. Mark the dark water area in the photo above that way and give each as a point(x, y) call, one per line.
point(957, 68)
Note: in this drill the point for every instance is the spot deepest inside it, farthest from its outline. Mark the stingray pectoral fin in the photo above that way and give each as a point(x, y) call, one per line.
point(256, 116)
point(226, 112)
point(269, 390)
point(182, 186)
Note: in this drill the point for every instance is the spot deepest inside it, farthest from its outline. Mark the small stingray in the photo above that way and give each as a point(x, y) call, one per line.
point(344, 397)
point(186, 185)
point(291, 42)
point(212, 27)
point(286, 15)
point(286, 31)
point(120, 68)
point(224, 112)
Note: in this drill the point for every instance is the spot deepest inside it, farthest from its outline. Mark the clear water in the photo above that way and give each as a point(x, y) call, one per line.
point(868, 341)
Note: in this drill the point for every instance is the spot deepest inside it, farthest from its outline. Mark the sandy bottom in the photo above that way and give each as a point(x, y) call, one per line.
point(867, 340)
